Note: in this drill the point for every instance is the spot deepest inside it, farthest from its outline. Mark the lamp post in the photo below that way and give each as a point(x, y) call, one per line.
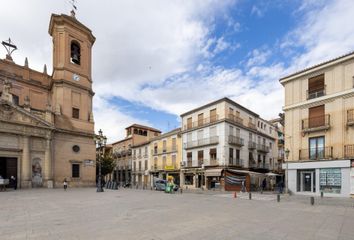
point(100, 142)
point(287, 151)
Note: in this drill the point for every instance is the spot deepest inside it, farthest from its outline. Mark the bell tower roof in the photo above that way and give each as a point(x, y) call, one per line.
point(64, 19)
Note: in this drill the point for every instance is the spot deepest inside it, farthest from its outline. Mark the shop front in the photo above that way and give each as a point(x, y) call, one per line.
point(332, 178)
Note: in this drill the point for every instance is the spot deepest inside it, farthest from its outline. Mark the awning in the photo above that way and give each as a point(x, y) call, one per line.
point(246, 171)
point(213, 172)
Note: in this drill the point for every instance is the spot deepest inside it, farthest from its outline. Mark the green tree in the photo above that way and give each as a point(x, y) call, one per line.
point(107, 165)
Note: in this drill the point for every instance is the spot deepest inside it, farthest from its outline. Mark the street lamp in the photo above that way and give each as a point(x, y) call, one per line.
point(100, 142)
point(287, 151)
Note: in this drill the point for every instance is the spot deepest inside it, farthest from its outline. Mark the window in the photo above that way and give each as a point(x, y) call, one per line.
point(76, 113)
point(316, 116)
point(15, 99)
point(75, 170)
point(212, 131)
point(146, 165)
point(189, 123)
point(330, 180)
point(174, 144)
point(231, 130)
point(237, 114)
point(200, 119)
point(139, 165)
point(134, 166)
point(316, 150)
point(231, 111)
point(238, 132)
point(164, 161)
point(250, 136)
point(213, 117)
point(75, 53)
point(174, 161)
point(270, 146)
point(237, 154)
point(189, 156)
point(316, 87)
point(231, 155)
point(164, 146)
point(145, 151)
point(200, 157)
point(212, 153)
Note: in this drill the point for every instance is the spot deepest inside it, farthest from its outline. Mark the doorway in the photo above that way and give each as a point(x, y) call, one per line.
point(307, 181)
point(8, 167)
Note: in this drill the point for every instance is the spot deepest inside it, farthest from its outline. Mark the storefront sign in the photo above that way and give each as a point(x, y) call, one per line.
point(169, 168)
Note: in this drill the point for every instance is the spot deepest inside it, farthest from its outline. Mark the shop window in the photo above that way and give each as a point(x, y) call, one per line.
point(330, 180)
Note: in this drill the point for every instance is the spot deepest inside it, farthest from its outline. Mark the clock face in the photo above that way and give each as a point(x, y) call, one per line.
point(76, 77)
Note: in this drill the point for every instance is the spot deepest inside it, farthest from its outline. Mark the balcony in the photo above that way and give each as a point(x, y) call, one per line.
point(259, 165)
point(201, 122)
point(252, 125)
point(280, 142)
point(251, 145)
point(159, 151)
point(314, 124)
point(235, 162)
point(202, 142)
point(316, 153)
point(237, 141)
point(350, 117)
point(189, 163)
point(262, 148)
point(233, 118)
point(316, 93)
point(211, 162)
point(349, 151)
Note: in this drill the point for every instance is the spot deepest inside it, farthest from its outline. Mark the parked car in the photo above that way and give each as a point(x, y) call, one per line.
point(160, 185)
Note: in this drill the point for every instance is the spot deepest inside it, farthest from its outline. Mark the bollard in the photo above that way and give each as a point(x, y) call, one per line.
point(151, 188)
point(278, 197)
point(312, 200)
point(249, 195)
point(235, 195)
point(321, 194)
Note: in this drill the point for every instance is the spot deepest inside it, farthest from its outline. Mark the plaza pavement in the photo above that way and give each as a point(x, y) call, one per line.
point(143, 214)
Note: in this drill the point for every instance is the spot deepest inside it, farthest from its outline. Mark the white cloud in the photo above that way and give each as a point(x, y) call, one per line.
point(258, 57)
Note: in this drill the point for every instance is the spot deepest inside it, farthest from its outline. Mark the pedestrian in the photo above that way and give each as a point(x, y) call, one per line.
point(65, 183)
point(243, 186)
point(13, 182)
point(264, 184)
point(281, 187)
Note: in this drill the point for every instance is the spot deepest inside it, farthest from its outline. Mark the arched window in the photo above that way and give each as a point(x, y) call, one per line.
point(75, 52)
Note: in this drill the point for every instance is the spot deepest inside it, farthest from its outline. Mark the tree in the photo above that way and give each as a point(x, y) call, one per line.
point(107, 164)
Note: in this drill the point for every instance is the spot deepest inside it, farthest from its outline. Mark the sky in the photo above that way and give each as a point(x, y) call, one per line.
point(155, 59)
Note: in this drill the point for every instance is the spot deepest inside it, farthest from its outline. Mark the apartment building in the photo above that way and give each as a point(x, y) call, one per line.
point(166, 155)
point(280, 143)
point(319, 128)
point(141, 164)
point(225, 145)
point(122, 150)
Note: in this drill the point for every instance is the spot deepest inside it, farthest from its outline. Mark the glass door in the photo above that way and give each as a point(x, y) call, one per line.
point(307, 182)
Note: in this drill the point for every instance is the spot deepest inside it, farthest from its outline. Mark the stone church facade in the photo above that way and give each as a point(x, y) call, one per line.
point(46, 121)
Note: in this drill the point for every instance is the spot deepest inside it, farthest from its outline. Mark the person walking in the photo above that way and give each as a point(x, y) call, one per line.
point(264, 184)
point(65, 184)
point(13, 182)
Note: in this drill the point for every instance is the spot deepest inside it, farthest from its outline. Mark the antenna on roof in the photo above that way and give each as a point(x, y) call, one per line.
point(74, 8)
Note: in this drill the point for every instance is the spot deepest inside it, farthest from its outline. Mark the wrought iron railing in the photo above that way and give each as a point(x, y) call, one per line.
point(318, 153)
point(234, 140)
point(262, 148)
point(201, 122)
point(315, 123)
point(234, 118)
point(316, 93)
point(252, 145)
point(349, 151)
point(202, 142)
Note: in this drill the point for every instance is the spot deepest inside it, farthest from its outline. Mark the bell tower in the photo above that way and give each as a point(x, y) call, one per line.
point(72, 81)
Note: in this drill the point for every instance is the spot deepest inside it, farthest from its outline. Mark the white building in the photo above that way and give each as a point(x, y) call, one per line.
point(225, 144)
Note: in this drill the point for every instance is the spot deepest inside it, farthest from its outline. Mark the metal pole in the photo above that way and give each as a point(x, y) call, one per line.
point(99, 187)
point(286, 175)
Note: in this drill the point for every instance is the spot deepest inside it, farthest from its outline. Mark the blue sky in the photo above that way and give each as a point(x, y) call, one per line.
point(155, 59)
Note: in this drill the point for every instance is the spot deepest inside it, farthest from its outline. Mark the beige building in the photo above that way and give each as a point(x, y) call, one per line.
point(46, 121)
point(122, 150)
point(166, 156)
point(141, 164)
point(225, 144)
point(319, 132)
